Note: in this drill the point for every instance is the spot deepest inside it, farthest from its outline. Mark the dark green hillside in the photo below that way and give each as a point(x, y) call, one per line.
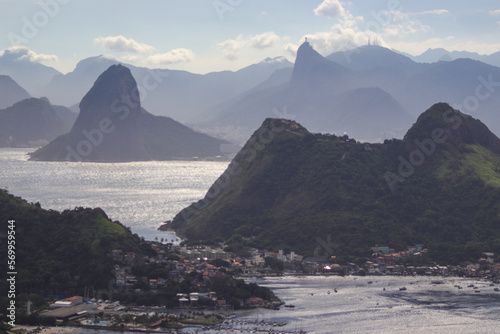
point(61, 253)
point(287, 188)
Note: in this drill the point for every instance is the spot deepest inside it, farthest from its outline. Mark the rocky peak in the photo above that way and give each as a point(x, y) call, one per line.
point(113, 95)
point(310, 67)
point(442, 121)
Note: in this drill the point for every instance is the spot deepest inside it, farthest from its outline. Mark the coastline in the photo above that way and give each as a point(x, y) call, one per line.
point(42, 329)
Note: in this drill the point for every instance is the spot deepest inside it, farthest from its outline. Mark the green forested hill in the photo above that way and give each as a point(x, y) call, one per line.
point(287, 188)
point(61, 253)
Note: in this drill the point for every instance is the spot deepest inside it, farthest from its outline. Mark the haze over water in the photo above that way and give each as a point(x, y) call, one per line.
point(141, 195)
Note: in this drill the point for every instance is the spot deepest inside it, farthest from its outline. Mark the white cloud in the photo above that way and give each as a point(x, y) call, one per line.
point(23, 53)
point(345, 35)
point(431, 12)
point(231, 47)
point(404, 29)
point(331, 9)
point(495, 12)
point(341, 38)
point(122, 44)
point(291, 49)
point(397, 24)
point(264, 40)
point(172, 57)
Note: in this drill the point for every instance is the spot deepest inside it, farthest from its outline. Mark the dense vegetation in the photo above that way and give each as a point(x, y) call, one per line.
point(289, 189)
point(62, 253)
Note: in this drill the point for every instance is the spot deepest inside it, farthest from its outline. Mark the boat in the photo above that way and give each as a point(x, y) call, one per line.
point(402, 289)
point(496, 289)
point(290, 306)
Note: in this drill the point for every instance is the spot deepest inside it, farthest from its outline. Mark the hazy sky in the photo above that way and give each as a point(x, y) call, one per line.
point(212, 35)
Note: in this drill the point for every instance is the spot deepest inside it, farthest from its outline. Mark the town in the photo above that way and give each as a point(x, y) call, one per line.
point(186, 286)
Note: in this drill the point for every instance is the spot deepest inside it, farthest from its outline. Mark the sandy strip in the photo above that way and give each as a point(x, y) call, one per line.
point(45, 330)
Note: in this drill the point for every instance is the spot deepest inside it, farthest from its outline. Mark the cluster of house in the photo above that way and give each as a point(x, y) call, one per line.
point(281, 256)
point(186, 262)
point(385, 260)
point(192, 299)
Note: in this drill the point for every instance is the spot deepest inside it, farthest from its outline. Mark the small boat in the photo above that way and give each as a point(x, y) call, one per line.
point(496, 289)
point(402, 289)
point(290, 306)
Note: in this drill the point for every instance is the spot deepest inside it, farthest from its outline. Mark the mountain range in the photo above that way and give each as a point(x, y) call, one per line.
point(178, 94)
point(10, 92)
point(112, 126)
point(291, 189)
point(324, 96)
point(31, 75)
point(440, 54)
point(33, 122)
point(346, 91)
point(370, 93)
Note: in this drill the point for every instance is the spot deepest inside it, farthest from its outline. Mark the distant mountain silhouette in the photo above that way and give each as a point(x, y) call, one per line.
point(327, 94)
point(30, 75)
point(369, 57)
point(113, 127)
point(188, 94)
point(323, 96)
point(32, 122)
point(440, 54)
point(11, 92)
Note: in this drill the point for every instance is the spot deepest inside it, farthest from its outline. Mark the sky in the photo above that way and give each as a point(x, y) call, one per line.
point(203, 36)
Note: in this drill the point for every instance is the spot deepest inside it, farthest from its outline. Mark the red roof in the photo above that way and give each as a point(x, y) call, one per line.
point(73, 298)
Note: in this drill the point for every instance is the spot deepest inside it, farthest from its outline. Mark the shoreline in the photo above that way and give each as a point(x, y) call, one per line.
point(436, 280)
point(42, 329)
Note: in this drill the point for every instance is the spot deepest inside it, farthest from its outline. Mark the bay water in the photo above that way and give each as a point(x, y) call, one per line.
point(141, 195)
